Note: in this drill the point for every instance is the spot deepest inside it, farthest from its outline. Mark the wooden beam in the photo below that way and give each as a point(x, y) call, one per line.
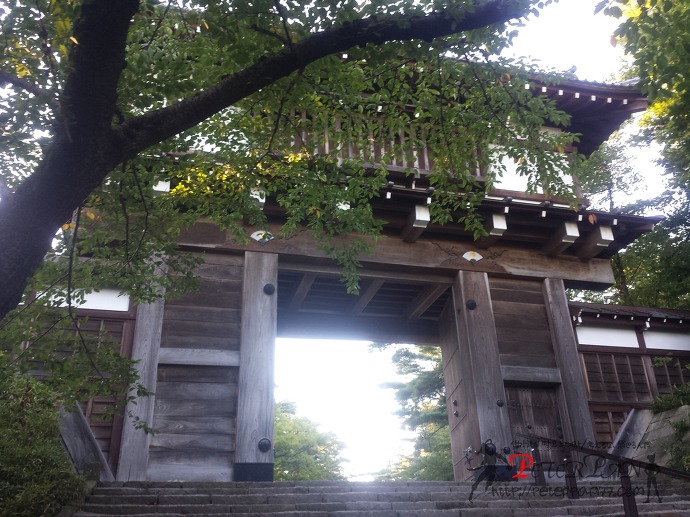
point(425, 300)
point(416, 223)
point(495, 226)
point(597, 241)
point(257, 352)
point(302, 291)
point(472, 370)
point(199, 357)
point(531, 374)
point(576, 421)
point(409, 276)
point(564, 237)
point(329, 326)
point(444, 257)
point(134, 448)
point(366, 296)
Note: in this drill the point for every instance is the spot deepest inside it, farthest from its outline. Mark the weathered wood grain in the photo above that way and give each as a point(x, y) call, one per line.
point(199, 356)
point(208, 343)
point(528, 359)
point(210, 424)
point(196, 408)
point(472, 369)
point(517, 295)
point(213, 293)
point(482, 352)
point(196, 328)
point(573, 392)
point(447, 255)
point(182, 373)
point(165, 472)
point(195, 391)
point(178, 441)
point(84, 449)
point(527, 311)
point(259, 317)
point(530, 374)
point(191, 457)
point(177, 313)
point(146, 344)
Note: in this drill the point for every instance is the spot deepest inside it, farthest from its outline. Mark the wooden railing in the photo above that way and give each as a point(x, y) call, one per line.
point(622, 468)
point(81, 444)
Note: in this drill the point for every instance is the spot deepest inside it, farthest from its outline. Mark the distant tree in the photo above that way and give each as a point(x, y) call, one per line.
point(423, 409)
point(431, 461)
point(655, 270)
point(302, 452)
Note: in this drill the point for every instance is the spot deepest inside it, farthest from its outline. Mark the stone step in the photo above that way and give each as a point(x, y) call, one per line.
point(345, 499)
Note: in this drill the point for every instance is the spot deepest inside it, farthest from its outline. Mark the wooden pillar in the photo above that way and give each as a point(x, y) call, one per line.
point(134, 448)
point(254, 449)
point(576, 418)
point(472, 370)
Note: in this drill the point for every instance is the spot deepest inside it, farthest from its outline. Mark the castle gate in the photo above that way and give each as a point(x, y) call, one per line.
point(495, 305)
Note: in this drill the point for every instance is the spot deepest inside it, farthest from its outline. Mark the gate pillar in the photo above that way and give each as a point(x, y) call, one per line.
point(254, 444)
point(578, 426)
point(472, 370)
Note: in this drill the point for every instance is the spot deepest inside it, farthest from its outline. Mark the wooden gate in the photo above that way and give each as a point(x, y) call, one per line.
point(534, 410)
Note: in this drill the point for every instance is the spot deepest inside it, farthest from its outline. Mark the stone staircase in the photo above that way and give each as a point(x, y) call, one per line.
point(353, 499)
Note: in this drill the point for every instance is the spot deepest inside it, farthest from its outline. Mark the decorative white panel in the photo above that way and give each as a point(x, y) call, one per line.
point(106, 300)
point(601, 336)
point(667, 340)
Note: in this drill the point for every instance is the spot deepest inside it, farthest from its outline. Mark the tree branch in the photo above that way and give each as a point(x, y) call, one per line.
point(81, 153)
point(86, 147)
point(22, 84)
point(141, 132)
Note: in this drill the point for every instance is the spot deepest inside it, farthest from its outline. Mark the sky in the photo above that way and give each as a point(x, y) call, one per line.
point(346, 397)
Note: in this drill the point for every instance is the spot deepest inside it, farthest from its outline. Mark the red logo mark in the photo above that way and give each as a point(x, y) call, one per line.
point(526, 462)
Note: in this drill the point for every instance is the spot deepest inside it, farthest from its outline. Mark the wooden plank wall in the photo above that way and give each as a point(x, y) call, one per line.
point(522, 326)
point(196, 396)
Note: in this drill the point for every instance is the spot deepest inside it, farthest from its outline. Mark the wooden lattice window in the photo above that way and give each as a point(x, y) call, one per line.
point(616, 377)
point(673, 373)
point(607, 422)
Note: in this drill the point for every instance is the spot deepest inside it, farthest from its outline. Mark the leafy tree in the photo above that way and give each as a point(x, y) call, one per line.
point(302, 452)
point(423, 408)
point(432, 459)
point(104, 99)
point(36, 475)
point(93, 85)
point(655, 270)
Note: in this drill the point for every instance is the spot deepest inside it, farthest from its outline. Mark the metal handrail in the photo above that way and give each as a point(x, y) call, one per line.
point(629, 503)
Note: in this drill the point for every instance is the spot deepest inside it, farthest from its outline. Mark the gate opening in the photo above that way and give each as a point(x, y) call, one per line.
point(339, 385)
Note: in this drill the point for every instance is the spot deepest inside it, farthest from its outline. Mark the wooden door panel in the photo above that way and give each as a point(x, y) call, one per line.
point(535, 411)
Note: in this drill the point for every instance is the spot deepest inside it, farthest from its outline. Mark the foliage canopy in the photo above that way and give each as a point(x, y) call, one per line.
point(655, 271)
point(36, 475)
point(302, 452)
point(423, 409)
point(104, 99)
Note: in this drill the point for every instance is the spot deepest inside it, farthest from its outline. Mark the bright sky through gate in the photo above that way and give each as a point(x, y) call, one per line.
point(337, 384)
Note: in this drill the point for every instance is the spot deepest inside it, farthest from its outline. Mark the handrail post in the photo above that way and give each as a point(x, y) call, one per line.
point(570, 478)
point(629, 503)
point(539, 477)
